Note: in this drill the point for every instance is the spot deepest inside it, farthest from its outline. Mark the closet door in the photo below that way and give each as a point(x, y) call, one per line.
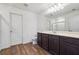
point(16, 29)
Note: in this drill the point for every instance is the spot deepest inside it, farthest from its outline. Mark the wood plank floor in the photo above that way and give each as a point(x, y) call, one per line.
point(26, 49)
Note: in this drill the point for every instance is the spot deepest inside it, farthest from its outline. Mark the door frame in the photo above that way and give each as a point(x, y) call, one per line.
point(12, 13)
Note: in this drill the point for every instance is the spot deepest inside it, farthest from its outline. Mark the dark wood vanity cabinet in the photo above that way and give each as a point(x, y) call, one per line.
point(45, 41)
point(69, 46)
point(42, 40)
point(39, 39)
point(54, 44)
point(68, 49)
point(59, 45)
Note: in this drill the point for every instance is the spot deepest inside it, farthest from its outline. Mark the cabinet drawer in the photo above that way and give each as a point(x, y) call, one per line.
point(70, 40)
point(44, 35)
point(54, 37)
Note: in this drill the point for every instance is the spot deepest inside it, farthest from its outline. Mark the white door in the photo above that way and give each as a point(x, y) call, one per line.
point(16, 29)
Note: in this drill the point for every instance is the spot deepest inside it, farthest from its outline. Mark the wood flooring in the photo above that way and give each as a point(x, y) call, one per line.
point(24, 49)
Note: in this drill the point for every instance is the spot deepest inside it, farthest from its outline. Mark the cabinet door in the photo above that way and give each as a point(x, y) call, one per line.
point(45, 41)
point(54, 44)
point(39, 39)
point(68, 48)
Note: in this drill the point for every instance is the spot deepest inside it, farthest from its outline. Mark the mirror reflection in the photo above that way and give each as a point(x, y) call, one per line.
point(65, 20)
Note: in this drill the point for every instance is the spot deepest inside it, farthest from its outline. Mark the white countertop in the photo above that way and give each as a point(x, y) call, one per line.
point(63, 33)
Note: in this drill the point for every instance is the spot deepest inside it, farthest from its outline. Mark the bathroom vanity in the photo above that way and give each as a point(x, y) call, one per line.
point(59, 43)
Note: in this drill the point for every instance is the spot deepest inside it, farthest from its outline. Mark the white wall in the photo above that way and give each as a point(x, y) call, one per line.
point(42, 23)
point(29, 25)
point(0, 33)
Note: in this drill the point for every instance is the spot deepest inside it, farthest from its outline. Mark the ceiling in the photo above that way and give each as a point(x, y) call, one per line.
point(33, 7)
point(40, 8)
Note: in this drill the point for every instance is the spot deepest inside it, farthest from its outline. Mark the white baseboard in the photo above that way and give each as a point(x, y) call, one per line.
point(4, 47)
point(27, 42)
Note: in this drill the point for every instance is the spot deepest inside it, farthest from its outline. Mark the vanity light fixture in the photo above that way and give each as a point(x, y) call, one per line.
point(56, 7)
